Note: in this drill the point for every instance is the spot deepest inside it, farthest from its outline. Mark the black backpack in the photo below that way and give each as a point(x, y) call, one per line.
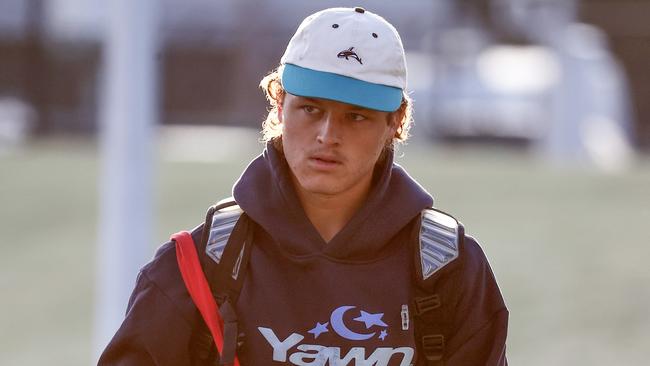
point(224, 252)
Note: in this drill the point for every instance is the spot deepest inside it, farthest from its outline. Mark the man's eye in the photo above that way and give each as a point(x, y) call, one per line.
point(357, 117)
point(310, 109)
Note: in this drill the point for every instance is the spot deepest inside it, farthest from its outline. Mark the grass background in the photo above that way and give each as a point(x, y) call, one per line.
point(570, 246)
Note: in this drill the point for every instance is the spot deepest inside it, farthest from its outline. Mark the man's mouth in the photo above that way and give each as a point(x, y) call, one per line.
point(324, 161)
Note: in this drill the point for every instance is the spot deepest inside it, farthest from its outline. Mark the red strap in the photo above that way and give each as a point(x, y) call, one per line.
point(197, 286)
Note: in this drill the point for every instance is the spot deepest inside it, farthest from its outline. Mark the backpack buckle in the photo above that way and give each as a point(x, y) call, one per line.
point(230, 333)
point(427, 303)
point(433, 346)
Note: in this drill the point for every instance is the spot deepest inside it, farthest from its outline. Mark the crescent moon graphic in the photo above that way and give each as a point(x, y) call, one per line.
point(336, 320)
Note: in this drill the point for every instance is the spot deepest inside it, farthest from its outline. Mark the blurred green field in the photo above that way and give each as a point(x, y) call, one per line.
point(569, 246)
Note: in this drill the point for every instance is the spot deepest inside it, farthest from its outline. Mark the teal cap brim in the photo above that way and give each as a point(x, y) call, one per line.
point(306, 82)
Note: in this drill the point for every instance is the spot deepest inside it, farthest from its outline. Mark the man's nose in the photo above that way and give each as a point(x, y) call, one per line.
point(330, 129)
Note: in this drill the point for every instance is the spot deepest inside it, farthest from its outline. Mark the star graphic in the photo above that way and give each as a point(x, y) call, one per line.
point(383, 334)
point(319, 329)
point(371, 319)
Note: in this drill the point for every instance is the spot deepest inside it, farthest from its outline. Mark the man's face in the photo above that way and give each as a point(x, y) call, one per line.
point(332, 147)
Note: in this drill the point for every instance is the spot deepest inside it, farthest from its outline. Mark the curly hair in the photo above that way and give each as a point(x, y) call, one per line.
point(272, 87)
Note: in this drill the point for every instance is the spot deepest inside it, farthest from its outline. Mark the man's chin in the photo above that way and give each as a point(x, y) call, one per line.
point(320, 189)
point(326, 186)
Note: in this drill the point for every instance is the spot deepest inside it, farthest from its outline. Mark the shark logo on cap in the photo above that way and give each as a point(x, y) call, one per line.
point(349, 53)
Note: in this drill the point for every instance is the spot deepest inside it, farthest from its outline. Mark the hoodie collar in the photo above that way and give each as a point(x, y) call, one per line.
point(265, 192)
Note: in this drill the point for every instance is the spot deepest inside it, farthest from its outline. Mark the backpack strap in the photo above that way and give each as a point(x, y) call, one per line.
point(227, 248)
point(440, 237)
point(197, 286)
point(224, 251)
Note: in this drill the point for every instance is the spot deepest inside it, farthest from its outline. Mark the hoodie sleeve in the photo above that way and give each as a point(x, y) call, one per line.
point(481, 319)
point(157, 329)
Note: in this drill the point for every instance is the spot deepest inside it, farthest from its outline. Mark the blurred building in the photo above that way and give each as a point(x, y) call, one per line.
point(627, 27)
point(212, 54)
point(530, 71)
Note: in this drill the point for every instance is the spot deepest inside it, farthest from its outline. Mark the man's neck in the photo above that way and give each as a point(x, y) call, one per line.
point(330, 213)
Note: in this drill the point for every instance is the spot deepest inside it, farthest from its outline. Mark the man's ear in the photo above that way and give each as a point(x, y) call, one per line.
point(396, 118)
point(280, 107)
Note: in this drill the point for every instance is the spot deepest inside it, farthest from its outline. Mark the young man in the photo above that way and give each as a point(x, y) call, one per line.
point(341, 261)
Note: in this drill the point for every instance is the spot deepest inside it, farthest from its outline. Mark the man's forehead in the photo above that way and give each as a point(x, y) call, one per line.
point(333, 103)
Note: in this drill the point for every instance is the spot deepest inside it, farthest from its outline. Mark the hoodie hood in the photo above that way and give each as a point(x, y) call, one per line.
point(266, 193)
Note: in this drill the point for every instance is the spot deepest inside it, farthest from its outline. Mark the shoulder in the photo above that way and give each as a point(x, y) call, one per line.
point(472, 264)
point(474, 278)
point(164, 260)
point(159, 305)
point(468, 278)
point(445, 250)
point(479, 315)
point(472, 258)
point(163, 278)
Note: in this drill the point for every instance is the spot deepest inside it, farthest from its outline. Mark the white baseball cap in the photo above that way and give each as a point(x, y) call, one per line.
point(348, 55)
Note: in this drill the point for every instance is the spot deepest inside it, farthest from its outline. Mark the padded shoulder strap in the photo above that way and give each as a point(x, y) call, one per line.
point(441, 236)
point(440, 240)
point(227, 245)
point(221, 226)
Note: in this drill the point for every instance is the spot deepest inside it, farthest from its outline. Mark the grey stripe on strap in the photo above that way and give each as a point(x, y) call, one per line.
point(438, 241)
point(223, 222)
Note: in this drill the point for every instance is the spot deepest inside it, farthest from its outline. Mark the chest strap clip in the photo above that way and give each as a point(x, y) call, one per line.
point(426, 303)
point(230, 334)
point(433, 346)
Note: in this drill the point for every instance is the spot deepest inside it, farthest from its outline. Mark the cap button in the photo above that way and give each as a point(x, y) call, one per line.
point(359, 9)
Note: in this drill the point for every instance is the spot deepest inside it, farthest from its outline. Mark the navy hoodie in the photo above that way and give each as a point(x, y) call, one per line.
point(309, 302)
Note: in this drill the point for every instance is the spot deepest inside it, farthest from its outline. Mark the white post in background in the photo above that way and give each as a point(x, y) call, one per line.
point(128, 115)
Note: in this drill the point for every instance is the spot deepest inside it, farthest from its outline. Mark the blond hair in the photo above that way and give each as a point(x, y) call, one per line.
point(271, 84)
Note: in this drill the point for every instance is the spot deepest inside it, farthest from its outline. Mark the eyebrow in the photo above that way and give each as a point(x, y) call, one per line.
point(309, 99)
point(352, 108)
